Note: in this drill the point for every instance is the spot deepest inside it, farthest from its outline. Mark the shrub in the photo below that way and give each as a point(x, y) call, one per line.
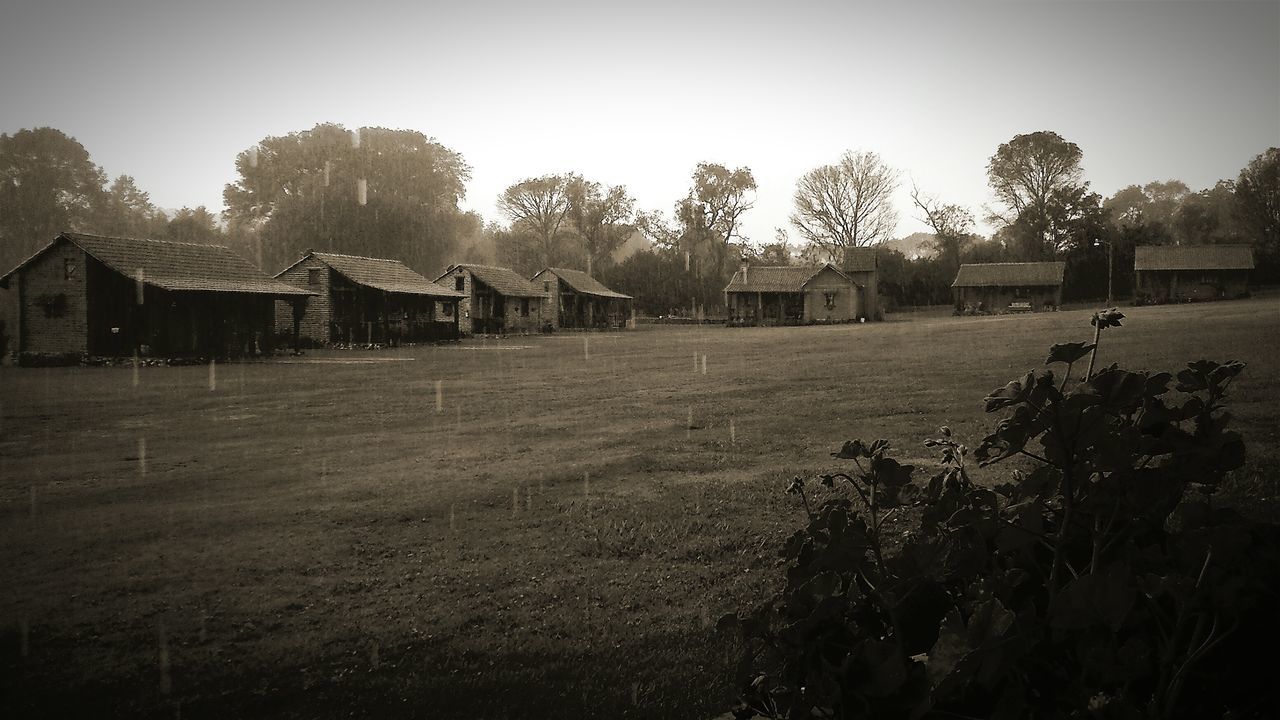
point(1101, 582)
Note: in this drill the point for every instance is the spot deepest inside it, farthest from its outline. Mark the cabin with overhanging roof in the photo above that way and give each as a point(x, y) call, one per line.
point(367, 300)
point(1184, 273)
point(496, 300)
point(575, 300)
point(1008, 287)
point(794, 295)
point(113, 297)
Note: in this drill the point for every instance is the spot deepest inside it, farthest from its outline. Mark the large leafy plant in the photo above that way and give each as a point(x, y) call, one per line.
point(1100, 582)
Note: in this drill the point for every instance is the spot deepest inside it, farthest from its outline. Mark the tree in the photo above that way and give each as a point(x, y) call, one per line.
point(599, 215)
point(1258, 196)
point(539, 206)
point(195, 226)
point(126, 210)
point(48, 185)
point(1038, 178)
point(846, 205)
point(952, 227)
point(710, 219)
point(372, 191)
point(1210, 216)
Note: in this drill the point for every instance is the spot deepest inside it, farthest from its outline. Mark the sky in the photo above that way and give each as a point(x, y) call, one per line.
point(639, 93)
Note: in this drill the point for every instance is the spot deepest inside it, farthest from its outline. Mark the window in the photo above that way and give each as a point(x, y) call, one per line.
point(54, 305)
point(460, 284)
point(546, 287)
point(831, 300)
point(524, 307)
point(68, 269)
point(313, 276)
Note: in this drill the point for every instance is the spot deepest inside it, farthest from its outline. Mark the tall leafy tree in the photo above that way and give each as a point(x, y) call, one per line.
point(196, 225)
point(124, 209)
point(48, 184)
point(1210, 216)
point(538, 207)
point(710, 220)
point(1037, 177)
point(600, 216)
point(1258, 196)
point(846, 205)
point(373, 191)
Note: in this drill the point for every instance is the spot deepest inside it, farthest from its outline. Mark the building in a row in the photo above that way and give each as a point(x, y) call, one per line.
point(577, 300)
point(793, 295)
point(110, 296)
point(497, 300)
point(1009, 287)
point(1180, 273)
point(367, 300)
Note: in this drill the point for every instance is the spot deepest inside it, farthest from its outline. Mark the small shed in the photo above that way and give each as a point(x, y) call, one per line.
point(1009, 287)
point(577, 300)
point(111, 296)
point(364, 299)
point(496, 300)
point(1182, 273)
point(793, 295)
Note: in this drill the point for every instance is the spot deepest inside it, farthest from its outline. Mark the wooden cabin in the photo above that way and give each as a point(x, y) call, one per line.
point(1183, 273)
point(794, 295)
point(496, 300)
point(368, 300)
point(578, 301)
point(114, 297)
point(1008, 287)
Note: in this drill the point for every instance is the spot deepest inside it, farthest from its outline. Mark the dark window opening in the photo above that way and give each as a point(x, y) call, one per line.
point(313, 276)
point(54, 306)
point(68, 269)
point(831, 300)
point(524, 307)
point(460, 283)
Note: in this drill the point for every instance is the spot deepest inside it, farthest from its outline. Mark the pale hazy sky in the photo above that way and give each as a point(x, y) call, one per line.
point(638, 93)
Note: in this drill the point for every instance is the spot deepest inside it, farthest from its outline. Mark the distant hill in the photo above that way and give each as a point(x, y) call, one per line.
point(915, 245)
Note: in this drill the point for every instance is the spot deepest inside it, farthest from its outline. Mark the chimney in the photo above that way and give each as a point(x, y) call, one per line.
point(744, 272)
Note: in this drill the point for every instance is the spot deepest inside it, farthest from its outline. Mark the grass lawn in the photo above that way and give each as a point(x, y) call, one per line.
point(533, 527)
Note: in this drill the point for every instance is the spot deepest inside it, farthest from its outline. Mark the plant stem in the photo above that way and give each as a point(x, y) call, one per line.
point(1093, 354)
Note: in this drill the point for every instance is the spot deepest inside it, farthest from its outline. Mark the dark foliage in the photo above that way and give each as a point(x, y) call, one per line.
point(1101, 581)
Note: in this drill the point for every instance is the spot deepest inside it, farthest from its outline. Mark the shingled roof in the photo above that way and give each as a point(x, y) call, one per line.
point(382, 274)
point(778, 278)
point(582, 283)
point(172, 266)
point(504, 281)
point(860, 259)
point(1193, 257)
point(1027, 274)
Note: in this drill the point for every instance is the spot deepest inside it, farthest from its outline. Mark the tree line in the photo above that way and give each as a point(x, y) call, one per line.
point(396, 193)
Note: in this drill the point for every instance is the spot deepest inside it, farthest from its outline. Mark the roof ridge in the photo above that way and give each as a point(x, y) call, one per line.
point(357, 257)
point(95, 236)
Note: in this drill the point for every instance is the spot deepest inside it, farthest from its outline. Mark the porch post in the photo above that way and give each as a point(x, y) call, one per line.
point(299, 307)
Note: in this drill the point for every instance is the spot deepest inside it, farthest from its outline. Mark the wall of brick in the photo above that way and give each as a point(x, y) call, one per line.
point(464, 305)
point(319, 313)
point(550, 306)
point(53, 304)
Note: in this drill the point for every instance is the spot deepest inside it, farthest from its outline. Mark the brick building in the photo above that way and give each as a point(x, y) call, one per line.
point(1180, 273)
point(1009, 287)
point(497, 300)
point(862, 266)
point(794, 295)
point(362, 299)
point(577, 300)
point(108, 296)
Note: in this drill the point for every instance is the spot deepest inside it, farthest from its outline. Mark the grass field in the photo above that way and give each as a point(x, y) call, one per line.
point(552, 535)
